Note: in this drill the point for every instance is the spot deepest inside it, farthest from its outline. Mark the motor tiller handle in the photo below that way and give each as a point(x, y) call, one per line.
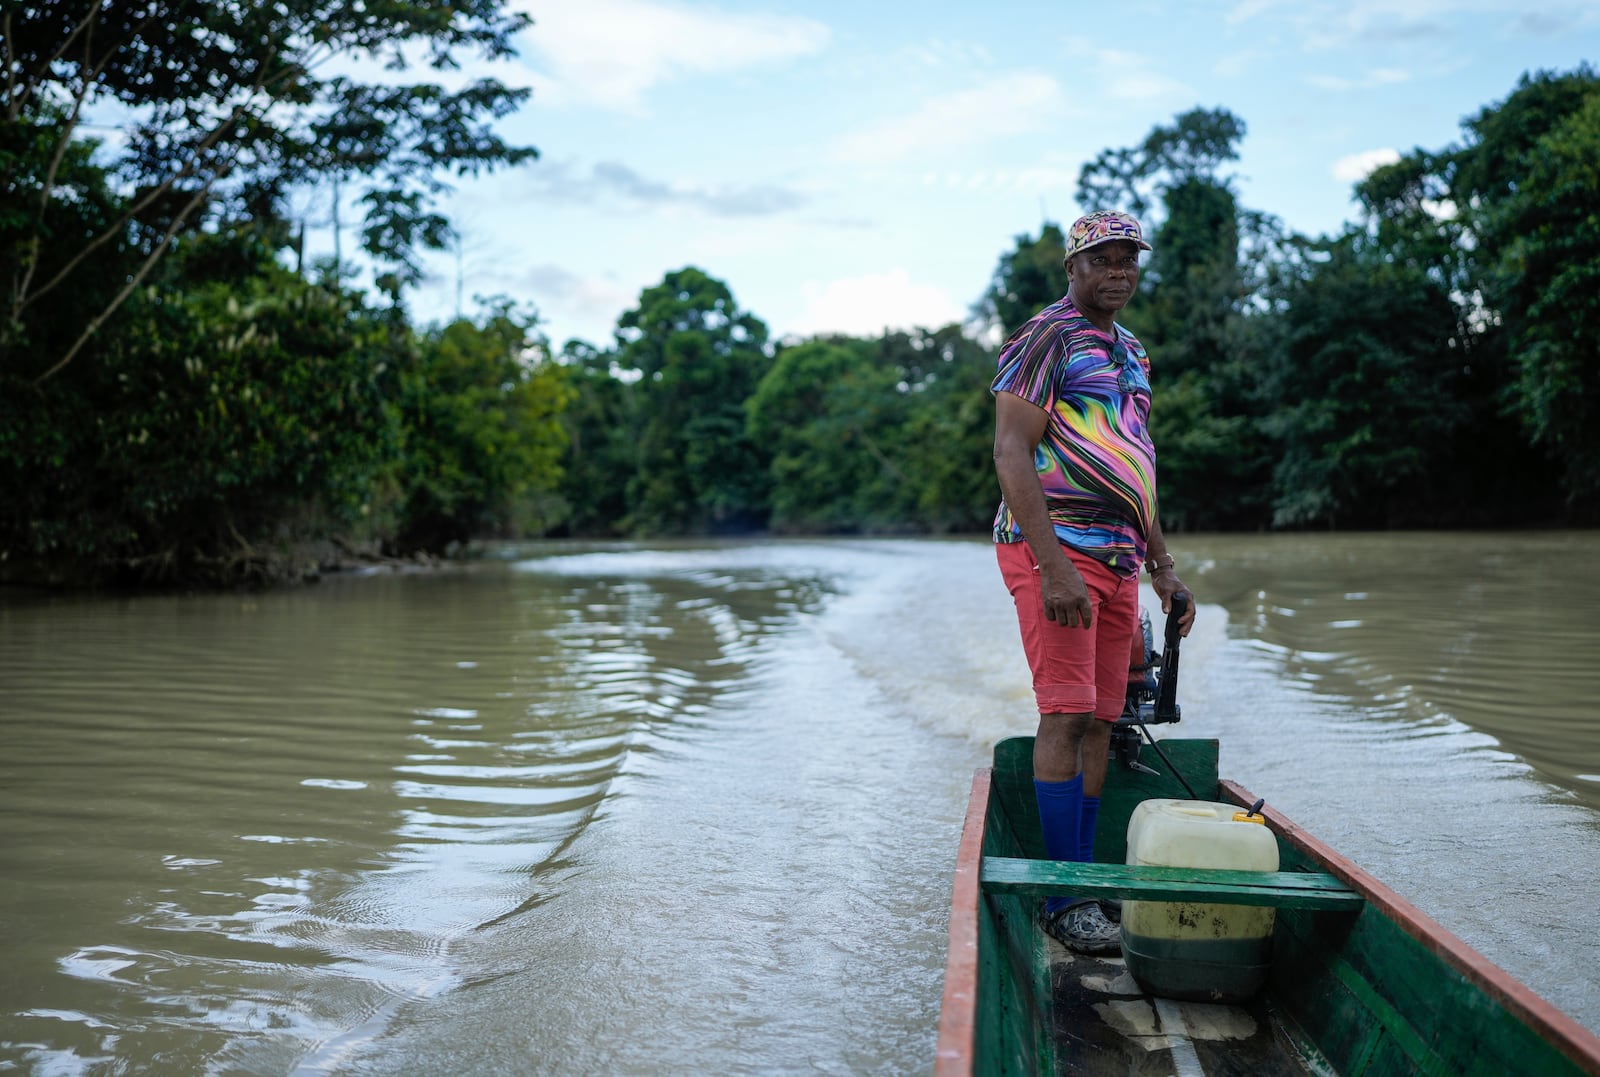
point(1167, 695)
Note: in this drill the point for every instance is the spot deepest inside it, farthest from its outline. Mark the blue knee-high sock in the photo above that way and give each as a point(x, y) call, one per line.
point(1087, 818)
point(1061, 821)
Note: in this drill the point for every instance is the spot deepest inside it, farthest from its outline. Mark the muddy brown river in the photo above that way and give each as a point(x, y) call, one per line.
point(692, 808)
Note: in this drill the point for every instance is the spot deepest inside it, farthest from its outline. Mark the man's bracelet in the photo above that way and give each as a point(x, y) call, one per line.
point(1165, 561)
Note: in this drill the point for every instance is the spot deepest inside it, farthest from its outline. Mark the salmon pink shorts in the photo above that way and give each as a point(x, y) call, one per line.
point(1076, 670)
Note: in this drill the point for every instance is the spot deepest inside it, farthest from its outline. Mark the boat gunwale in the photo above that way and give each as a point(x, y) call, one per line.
point(1522, 1002)
point(958, 1012)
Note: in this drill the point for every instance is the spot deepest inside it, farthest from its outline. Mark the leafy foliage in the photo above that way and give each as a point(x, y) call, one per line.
point(1546, 286)
point(1432, 365)
point(480, 409)
point(1193, 312)
point(946, 441)
point(821, 411)
point(224, 417)
point(698, 357)
point(229, 106)
point(599, 457)
point(1366, 402)
point(1504, 222)
point(1027, 280)
point(1193, 149)
point(872, 437)
point(232, 412)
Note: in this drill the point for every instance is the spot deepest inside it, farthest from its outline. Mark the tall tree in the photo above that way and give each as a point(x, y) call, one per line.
point(1366, 393)
point(1502, 221)
point(226, 425)
point(480, 406)
point(1194, 148)
point(1029, 278)
point(1173, 182)
point(825, 413)
point(1540, 234)
point(697, 357)
point(1191, 288)
point(1192, 311)
point(600, 455)
point(228, 105)
point(1546, 286)
point(944, 448)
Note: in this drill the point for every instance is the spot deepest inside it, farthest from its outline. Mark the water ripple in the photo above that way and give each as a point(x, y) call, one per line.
point(303, 802)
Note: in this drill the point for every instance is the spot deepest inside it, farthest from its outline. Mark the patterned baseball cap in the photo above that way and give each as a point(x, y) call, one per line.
point(1103, 226)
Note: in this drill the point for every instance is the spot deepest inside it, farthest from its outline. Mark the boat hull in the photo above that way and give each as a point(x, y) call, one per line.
point(1373, 987)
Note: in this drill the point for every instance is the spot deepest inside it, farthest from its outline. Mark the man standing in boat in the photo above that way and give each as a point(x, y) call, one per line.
point(1078, 516)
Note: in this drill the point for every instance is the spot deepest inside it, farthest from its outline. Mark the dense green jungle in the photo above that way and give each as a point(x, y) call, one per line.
point(184, 401)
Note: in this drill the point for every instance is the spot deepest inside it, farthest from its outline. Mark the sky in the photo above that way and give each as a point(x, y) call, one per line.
point(854, 167)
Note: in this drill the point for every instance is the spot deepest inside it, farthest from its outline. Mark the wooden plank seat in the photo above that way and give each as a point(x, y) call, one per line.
point(1280, 889)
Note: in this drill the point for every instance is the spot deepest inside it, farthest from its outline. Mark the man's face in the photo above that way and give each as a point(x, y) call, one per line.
point(1103, 278)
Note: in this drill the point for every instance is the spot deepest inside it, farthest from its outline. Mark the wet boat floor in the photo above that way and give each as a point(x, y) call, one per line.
point(1104, 1024)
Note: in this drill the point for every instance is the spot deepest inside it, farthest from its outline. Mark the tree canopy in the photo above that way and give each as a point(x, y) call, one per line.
point(698, 358)
point(1505, 221)
point(216, 110)
point(177, 402)
point(1432, 364)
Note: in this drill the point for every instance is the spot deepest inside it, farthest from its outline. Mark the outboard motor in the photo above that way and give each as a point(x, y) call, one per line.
point(1152, 686)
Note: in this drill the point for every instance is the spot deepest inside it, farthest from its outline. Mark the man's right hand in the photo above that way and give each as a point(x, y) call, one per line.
point(1066, 596)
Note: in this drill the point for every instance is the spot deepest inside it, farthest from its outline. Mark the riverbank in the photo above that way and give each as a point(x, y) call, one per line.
point(245, 567)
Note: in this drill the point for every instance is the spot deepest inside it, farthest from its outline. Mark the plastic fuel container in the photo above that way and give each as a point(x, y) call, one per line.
point(1195, 950)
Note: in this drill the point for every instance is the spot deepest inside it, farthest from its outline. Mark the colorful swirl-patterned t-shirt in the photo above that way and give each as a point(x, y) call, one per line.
point(1096, 462)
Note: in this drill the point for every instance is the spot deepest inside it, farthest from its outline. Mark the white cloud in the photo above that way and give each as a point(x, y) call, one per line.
point(1382, 76)
point(1326, 25)
point(1024, 181)
point(1117, 75)
point(1552, 23)
point(1236, 64)
point(1358, 166)
point(1128, 76)
point(958, 53)
point(1246, 10)
point(614, 184)
point(570, 304)
point(577, 306)
point(867, 306)
point(612, 52)
point(1008, 105)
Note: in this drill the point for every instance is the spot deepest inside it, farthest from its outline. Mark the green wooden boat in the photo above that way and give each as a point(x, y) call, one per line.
point(1358, 982)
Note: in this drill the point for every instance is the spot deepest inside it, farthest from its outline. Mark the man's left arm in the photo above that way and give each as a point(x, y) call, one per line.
point(1164, 577)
